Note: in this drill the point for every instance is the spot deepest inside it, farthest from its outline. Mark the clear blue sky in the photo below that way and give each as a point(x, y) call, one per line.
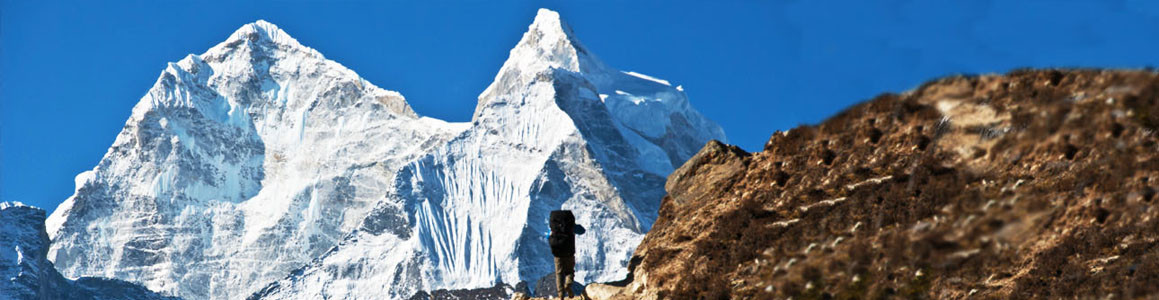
point(71, 71)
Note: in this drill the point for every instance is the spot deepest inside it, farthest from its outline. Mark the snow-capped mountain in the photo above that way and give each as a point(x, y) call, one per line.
point(556, 129)
point(239, 165)
point(260, 166)
point(25, 272)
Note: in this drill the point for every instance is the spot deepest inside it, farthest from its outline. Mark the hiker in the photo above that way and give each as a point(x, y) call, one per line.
point(562, 240)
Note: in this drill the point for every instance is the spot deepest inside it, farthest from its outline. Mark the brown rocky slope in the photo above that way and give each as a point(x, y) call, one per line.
point(1033, 184)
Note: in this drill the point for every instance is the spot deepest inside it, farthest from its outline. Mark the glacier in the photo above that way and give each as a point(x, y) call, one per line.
point(261, 169)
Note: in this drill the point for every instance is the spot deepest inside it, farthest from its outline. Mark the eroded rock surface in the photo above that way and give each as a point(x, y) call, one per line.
point(1034, 184)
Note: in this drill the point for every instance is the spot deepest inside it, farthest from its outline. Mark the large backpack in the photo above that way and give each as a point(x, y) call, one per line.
point(562, 239)
point(562, 245)
point(562, 221)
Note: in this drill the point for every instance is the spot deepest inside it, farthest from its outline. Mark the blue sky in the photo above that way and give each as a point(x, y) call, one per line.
point(70, 71)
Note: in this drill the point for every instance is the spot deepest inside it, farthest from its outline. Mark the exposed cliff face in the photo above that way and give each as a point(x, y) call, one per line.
point(1026, 185)
point(25, 272)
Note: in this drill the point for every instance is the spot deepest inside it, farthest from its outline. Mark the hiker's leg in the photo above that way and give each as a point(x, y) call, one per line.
point(560, 276)
point(570, 280)
point(570, 275)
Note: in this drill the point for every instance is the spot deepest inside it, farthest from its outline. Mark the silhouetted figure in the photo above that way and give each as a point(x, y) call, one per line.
point(562, 240)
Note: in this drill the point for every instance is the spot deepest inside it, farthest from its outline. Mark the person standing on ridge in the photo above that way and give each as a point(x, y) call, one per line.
point(562, 240)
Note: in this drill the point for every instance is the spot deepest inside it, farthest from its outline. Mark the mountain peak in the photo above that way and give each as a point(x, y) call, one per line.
point(547, 20)
point(548, 44)
point(259, 36)
point(554, 40)
point(261, 30)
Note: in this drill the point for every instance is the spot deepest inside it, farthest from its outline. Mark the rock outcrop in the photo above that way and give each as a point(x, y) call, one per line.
point(1034, 184)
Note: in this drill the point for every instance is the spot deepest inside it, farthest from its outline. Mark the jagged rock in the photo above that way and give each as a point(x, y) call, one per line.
point(708, 172)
